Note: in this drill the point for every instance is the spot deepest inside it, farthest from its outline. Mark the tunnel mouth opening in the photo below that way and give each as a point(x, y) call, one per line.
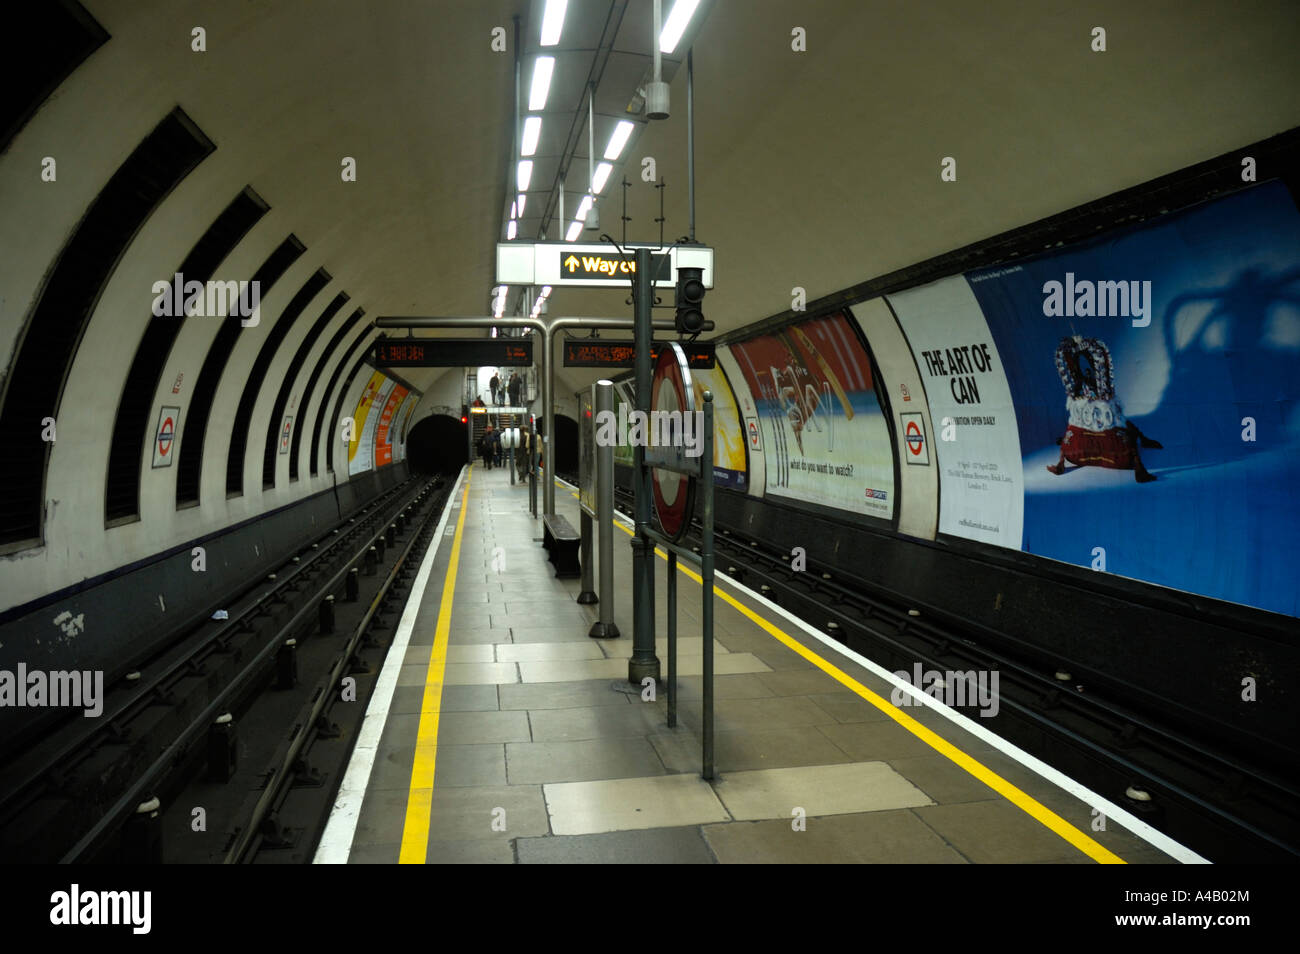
point(438, 444)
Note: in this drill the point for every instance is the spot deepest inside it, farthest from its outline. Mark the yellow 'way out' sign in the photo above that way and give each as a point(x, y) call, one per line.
point(563, 263)
point(608, 266)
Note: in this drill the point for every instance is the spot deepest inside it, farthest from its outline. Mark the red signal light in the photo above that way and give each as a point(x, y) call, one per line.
point(464, 419)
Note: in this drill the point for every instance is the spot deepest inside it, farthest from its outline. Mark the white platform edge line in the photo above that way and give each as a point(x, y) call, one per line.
point(1109, 809)
point(336, 842)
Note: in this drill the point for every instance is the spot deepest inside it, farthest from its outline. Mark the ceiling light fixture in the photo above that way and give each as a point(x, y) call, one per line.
point(575, 229)
point(553, 21)
point(532, 132)
point(541, 87)
point(619, 139)
point(601, 177)
point(525, 174)
point(520, 203)
point(680, 16)
point(511, 230)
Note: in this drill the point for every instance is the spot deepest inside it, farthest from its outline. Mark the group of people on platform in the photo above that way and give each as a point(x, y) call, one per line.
point(503, 389)
point(493, 453)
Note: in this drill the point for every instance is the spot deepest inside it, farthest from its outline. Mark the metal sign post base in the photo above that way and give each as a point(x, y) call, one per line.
point(588, 595)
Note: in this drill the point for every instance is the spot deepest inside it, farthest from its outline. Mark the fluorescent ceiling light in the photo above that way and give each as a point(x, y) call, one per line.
point(683, 10)
point(514, 210)
point(525, 174)
point(520, 203)
point(541, 87)
point(532, 132)
point(553, 21)
point(602, 175)
point(618, 140)
point(546, 291)
point(575, 229)
point(511, 230)
point(583, 207)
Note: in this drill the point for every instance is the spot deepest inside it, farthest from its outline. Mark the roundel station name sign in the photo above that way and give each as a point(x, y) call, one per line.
point(671, 391)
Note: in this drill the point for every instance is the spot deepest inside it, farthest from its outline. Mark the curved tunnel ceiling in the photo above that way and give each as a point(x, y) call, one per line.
point(816, 168)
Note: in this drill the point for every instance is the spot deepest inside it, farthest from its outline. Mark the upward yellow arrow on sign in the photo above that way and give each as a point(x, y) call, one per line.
point(571, 262)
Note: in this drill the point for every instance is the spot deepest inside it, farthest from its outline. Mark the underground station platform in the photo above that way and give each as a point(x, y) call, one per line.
point(501, 732)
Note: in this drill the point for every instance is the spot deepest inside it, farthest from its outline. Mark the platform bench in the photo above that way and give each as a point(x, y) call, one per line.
point(562, 541)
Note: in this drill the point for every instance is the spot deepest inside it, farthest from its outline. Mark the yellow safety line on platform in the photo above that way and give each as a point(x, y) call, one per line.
point(1024, 802)
point(419, 801)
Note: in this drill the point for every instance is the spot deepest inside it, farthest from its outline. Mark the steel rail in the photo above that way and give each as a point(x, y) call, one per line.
point(284, 770)
point(135, 792)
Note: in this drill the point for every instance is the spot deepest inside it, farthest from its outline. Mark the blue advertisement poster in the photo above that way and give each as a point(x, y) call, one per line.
point(1156, 375)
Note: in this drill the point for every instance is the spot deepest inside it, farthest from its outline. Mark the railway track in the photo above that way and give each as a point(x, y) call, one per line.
point(95, 790)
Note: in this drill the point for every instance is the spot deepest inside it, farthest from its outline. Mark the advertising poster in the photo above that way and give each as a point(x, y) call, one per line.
point(976, 441)
point(729, 461)
point(384, 429)
point(361, 450)
point(1156, 379)
point(728, 439)
point(827, 441)
point(402, 423)
point(359, 415)
point(624, 396)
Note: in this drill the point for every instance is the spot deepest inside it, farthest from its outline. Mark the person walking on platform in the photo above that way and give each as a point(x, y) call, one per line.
point(485, 448)
point(521, 453)
point(496, 447)
point(494, 384)
point(514, 388)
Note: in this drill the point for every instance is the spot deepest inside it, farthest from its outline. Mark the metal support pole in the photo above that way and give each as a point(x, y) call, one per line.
point(643, 662)
point(690, 138)
point(547, 327)
point(532, 464)
point(706, 576)
point(605, 627)
point(548, 417)
point(672, 639)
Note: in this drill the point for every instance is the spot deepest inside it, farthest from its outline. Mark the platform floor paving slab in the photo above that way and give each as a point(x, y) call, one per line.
point(544, 753)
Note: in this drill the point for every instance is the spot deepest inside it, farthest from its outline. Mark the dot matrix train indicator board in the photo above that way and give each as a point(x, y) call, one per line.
point(453, 352)
point(595, 353)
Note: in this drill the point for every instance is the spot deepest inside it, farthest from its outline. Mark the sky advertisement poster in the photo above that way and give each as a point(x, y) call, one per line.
point(1156, 381)
point(826, 438)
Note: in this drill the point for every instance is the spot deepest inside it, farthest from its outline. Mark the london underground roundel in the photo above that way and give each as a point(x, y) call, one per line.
point(673, 492)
